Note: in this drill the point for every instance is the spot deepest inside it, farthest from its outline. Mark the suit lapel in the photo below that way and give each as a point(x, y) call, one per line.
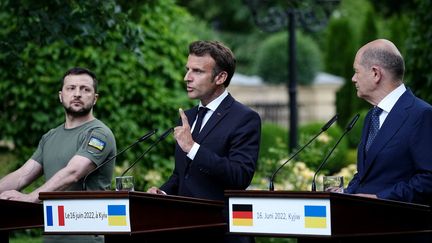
point(216, 117)
point(191, 115)
point(394, 121)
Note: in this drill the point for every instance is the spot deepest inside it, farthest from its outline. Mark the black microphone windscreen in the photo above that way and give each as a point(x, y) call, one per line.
point(166, 133)
point(352, 123)
point(146, 136)
point(330, 122)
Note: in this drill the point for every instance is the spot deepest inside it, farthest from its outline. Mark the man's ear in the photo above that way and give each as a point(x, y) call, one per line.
point(377, 73)
point(60, 97)
point(221, 78)
point(96, 98)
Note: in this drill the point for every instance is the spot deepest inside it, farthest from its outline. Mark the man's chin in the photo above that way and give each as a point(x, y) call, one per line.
point(192, 95)
point(77, 113)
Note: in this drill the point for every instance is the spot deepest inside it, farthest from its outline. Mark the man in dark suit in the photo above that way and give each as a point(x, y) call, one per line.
point(219, 151)
point(395, 153)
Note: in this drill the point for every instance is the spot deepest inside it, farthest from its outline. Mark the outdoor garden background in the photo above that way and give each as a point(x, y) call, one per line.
point(138, 50)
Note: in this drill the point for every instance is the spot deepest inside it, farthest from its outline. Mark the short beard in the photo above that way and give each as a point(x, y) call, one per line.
point(78, 113)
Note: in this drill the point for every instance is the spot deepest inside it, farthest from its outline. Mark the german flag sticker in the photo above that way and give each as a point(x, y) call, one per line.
point(242, 215)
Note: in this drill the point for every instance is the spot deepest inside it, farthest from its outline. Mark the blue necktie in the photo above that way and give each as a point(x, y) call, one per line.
point(201, 113)
point(374, 126)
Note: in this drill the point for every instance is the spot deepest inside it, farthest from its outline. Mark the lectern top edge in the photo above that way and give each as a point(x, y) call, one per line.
point(124, 194)
point(322, 195)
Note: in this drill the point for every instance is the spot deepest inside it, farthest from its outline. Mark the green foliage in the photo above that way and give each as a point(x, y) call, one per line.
point(244, 47)
point(317, 150)
point(395, 29)
point(140, 89)
point(272, 59)
point(343, 37)
point(419, 55)
point(354, 136)
point(349, 8)
point(26, 236)
point(273, 136)
point(273, 151)
point(339, 62)
point(224, 15)
point(369, 31)
point(44, 23)
point(7, 163)
point(388, 8)
point(298, 173)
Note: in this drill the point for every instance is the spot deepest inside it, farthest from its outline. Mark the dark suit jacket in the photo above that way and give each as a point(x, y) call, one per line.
point(398, 165)
point(229, 145)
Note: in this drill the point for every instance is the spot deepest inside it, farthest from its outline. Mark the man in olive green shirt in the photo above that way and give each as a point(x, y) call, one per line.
point(66, 154)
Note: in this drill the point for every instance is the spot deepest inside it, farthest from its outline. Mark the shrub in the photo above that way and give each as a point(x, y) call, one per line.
point(354, 135)
point(271, 61)
point(313, 155)
point(139, 90)
point(298, 174)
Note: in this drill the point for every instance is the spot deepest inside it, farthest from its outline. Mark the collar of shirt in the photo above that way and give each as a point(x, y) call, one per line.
point(389, 101)
point(212, 106)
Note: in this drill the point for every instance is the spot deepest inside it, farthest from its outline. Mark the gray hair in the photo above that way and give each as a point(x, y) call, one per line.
point(390, 61)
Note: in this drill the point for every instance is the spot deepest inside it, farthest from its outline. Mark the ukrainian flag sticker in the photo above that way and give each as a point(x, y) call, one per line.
point(117, 215)
point(97, 143)
point(315, 216)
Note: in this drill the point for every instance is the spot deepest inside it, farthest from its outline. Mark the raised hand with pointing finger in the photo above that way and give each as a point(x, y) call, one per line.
point(182, 134)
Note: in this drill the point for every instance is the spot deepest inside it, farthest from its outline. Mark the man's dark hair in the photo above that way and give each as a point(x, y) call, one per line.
point(390, 61)
point(78, 71)
point(223, 56)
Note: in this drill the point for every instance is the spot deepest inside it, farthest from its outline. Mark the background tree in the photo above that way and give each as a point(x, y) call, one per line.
point(271, 61)
point(344, 36)
point(339, 61)
point(389, 8)
point(369, 32)
point(223, 15)
point(419, 56)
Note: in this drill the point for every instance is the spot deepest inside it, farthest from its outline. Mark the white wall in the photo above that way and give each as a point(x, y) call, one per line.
point(315, 102)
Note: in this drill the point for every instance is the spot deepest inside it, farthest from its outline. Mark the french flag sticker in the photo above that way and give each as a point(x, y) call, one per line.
point(55, 215)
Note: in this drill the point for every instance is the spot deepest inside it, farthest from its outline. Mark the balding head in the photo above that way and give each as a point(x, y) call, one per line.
point(385, 54)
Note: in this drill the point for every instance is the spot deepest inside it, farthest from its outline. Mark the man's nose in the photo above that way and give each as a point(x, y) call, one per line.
point(77, 93)
point(187, 77)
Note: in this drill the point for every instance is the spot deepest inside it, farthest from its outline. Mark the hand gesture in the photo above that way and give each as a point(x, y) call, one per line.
point(183, 134)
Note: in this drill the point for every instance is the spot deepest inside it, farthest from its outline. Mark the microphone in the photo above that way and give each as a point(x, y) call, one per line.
point(141, 139)
point(162, 137)
point(347, 129)
point(324, 128)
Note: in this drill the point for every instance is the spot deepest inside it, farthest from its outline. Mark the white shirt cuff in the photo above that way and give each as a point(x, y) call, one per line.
point(193, 151)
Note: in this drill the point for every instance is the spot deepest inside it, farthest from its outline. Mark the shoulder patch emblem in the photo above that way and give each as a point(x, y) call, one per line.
point(97, 143)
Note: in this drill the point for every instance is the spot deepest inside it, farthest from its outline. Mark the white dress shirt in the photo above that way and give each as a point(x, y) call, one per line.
point(212, 106)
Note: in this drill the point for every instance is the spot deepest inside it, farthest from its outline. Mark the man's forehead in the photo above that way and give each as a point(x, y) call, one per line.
point(200, 61)
point(78, 79)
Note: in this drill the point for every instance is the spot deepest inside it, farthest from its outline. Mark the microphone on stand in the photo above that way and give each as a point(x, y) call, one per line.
point(141, 139)
point(347, 129)
point(162, 137)
point(324, 128)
